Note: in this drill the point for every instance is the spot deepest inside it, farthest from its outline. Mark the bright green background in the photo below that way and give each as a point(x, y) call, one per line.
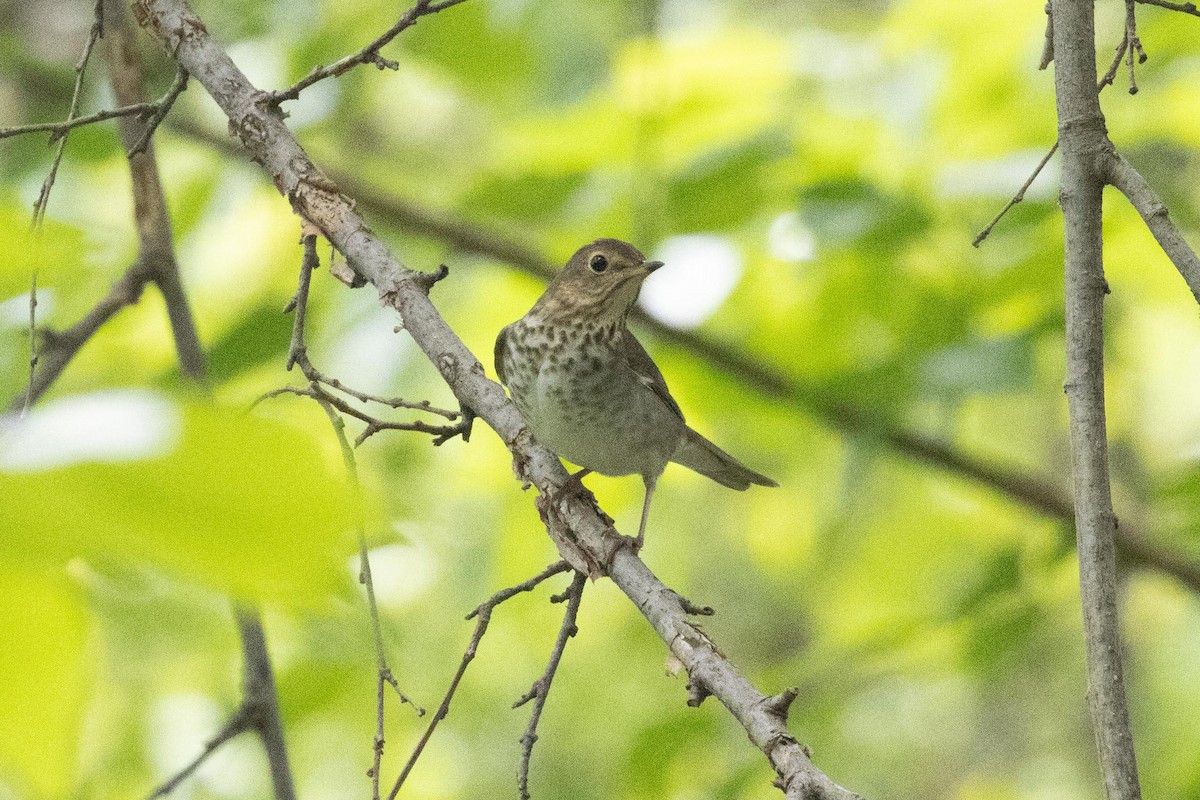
point(932, 625)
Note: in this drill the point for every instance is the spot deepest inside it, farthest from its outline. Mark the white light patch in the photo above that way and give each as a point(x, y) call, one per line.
point(370, 352)
point(701, 270)
point(180, 725)
point(790, 240)
point(104, 426)
point(996, 177)
point(14, 312)
point(400, 573)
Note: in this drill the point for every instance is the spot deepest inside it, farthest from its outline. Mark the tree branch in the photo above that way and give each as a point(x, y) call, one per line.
point(96, 32)
point(260, 702)
point(541, 687)
point(156, 241)
point(1084, 142)
point(57, 129)
point(482, 616)
point(574, 523)
point(1130, 183)
point(367, 55)
point(1035, 492)
point(1186, 8)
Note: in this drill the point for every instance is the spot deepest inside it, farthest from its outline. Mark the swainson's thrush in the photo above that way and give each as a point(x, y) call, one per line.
point(587, 388)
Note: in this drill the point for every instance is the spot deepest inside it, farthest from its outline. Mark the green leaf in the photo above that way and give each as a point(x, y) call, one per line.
point(231, 501)
point(46, 676)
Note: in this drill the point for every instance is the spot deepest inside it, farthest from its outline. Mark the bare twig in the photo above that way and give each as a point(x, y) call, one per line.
point(367, 55)
point(33, 342)
point(156, 242)
point(1186, 8)
point(59, 347)
point(238, 723)
point(1111, 75)
point(297, 350)
point(1133, 43)
point(1082, 133)
point(540, 689)
point(1018, 197)
point(160, 111)
point(96, 32)
point(259, 698)
point(384, 674)
point(482, 616)
point(1105, 81)
point(58, 129)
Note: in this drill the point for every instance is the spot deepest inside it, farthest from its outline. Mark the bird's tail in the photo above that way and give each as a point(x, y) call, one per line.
point(699, 454)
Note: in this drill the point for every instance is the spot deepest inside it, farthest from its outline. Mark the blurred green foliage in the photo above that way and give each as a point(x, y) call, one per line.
point(848, 154)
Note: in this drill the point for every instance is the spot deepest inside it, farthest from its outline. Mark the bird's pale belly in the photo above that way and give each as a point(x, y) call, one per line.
point(601, 417)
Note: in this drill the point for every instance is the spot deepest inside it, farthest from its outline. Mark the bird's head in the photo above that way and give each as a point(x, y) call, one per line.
point(600, 282)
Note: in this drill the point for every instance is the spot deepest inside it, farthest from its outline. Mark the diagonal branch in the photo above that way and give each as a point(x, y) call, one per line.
point(540, 689)
point(367, 55)
point(1130, 183)
point(1186, 8)
point(573, 521)
point(94, 35)
point(842, 414)
point(483, 617)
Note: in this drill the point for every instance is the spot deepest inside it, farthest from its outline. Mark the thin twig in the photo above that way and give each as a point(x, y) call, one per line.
point(1020, 195)
point(96, 32)
point(296, 351)
point(541, 687)
point(261, 701)
point(369, 54)
point(482, 616)
point(58, 129)
point(383, 670)
point(1111, 75)
point(33, 342)
point(299, 303)
point(1133, 43)
point(160, 111)
point(1186, 8)
point(238, 723)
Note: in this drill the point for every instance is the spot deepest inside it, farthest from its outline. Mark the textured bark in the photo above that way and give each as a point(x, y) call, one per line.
point(573, 521)
point(1085, 150)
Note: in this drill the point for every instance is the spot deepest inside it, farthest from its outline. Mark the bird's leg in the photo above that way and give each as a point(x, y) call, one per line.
point(641, 534)
point(574, 484)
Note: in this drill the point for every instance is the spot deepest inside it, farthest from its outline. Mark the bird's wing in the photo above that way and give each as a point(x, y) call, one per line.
point(498, 354)
point(647, 371)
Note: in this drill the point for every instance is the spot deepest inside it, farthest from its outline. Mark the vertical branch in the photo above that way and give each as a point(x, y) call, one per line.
point(297, 353)
point(156, 248)
point(33, 343)
point(1085, 146)
point(260, 701)
point(541, 687)
point(96, 33)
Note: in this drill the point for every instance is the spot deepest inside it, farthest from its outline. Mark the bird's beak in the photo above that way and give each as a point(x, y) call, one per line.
point(650, 266)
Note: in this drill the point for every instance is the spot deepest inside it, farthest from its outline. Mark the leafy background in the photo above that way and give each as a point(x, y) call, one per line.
point(814, 173)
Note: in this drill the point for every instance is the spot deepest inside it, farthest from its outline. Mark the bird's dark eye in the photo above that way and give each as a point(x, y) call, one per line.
point(598, 263)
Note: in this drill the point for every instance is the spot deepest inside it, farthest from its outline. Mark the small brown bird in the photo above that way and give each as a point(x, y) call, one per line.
point(587, 388)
